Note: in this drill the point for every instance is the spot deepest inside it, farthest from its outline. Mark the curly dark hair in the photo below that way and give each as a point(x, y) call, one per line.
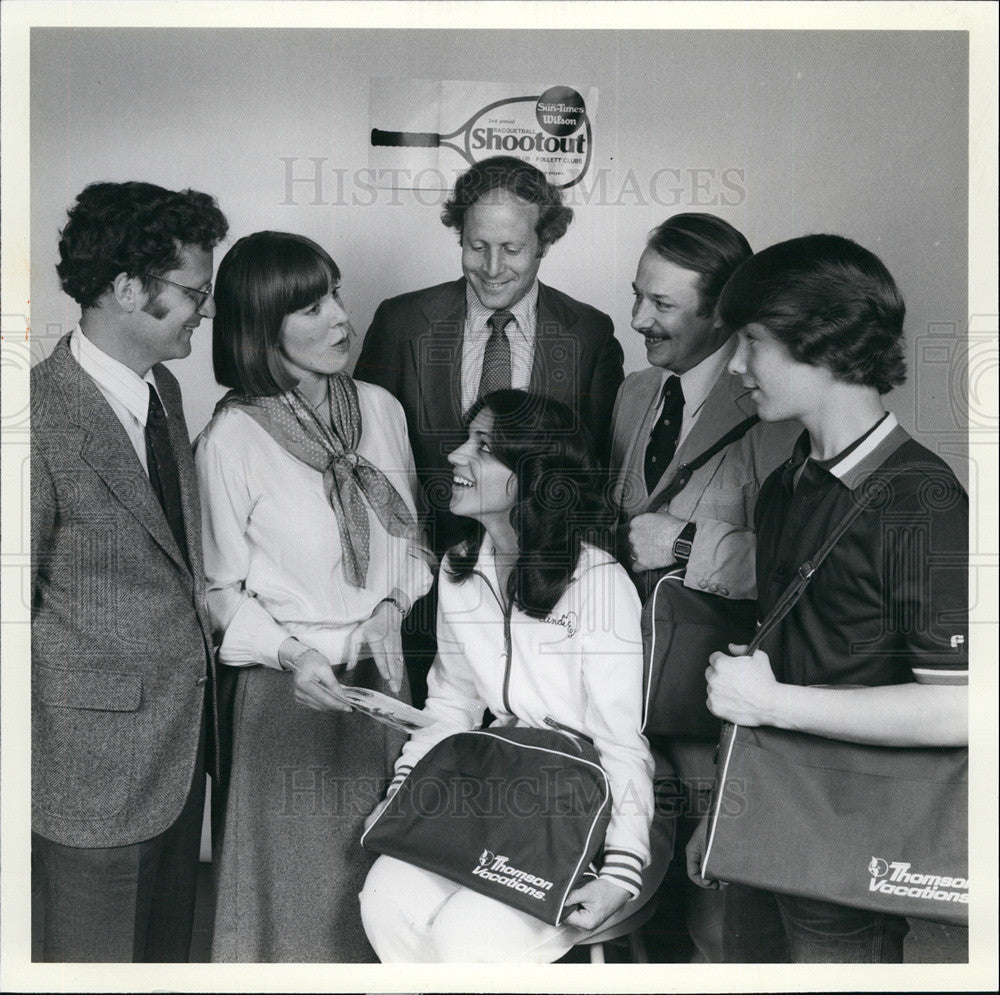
point(133, 228)
point(830, 301)
point(505, 172)
point(560, 500)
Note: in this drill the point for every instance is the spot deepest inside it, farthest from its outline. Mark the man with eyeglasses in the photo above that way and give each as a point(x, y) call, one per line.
point(124, 715)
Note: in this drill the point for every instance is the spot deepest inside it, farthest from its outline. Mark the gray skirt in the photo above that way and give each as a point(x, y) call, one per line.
point(291, 863)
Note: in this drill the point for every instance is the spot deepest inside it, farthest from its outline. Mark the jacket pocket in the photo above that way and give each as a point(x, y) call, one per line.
point(729, 503)
point(84, 740)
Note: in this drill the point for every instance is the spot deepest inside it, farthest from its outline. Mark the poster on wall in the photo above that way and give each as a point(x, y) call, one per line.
point(425, 132)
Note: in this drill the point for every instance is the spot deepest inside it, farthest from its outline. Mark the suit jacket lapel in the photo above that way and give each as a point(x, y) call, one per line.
point(723, 409)
point(106, 448)
point(437, 356)
point(555, 349)
point(642, 413)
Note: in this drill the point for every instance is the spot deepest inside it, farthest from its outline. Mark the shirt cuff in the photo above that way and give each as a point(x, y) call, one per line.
point(252, 637)
point(417, 575)
point(623, 868)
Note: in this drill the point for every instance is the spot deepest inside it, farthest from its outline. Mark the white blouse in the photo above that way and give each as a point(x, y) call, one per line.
point(273, 555)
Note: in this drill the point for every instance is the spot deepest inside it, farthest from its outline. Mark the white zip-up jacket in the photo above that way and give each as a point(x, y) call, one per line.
point(581, 667)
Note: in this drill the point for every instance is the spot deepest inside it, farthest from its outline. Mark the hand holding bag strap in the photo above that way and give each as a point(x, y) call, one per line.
point(678, 482)
point(782, 607)
point(673, 679)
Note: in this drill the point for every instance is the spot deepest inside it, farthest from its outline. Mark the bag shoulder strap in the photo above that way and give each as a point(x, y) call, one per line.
point(791, 594)
point(684, 472)
point(803, 575)
point(805, 572)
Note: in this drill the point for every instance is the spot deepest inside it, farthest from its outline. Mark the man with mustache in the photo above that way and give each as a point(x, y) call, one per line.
point(665, 416)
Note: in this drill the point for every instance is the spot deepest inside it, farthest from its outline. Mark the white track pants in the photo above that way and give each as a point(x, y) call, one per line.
point(415, 916)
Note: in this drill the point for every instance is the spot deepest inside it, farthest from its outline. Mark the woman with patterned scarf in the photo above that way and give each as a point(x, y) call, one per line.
point(313, 561)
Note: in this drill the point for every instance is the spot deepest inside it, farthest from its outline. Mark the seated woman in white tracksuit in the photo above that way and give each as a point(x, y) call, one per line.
point(533, 623)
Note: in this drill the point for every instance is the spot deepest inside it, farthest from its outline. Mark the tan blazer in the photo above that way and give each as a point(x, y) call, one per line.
point(120, 638)
point(720, 496)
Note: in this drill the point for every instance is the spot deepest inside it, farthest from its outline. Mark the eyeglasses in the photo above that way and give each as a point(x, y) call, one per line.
point(199, 296)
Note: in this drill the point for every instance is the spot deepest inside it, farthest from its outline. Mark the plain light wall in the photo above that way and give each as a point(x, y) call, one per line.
point(779, 132)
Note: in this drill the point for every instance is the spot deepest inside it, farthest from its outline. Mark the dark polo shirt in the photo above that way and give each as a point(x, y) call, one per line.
point(889, 605)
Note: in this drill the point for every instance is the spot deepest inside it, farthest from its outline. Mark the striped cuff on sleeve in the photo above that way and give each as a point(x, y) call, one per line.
point(400, 776)
point(624, 869)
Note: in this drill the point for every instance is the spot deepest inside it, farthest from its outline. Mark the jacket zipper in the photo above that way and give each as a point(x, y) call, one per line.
point(571, 734)
point(506, 612)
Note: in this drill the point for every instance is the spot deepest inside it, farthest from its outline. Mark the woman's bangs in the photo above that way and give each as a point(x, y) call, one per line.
point(309, 276)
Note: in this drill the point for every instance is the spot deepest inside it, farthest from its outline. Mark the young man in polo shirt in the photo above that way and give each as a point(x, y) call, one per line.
point(883, 624)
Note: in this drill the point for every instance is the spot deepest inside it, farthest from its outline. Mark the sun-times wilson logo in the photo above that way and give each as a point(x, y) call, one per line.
point(492, 867)
point(896, 878)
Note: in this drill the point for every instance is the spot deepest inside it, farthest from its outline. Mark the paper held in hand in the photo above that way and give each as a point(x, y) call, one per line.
point(384, 709)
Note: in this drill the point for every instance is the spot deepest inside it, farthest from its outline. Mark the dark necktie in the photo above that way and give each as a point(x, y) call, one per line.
point(496, 358)
point(663, 438)
point(163, 469)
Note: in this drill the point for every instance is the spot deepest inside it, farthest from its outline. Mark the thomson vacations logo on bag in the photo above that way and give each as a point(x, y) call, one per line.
point(496, 869)
point(896, 878)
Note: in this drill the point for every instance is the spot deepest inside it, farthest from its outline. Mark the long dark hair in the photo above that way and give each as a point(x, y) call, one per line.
point(560, 497)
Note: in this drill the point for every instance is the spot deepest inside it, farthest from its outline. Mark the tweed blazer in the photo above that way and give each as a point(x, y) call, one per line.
point(413, 349)
point(120, 641)
point(721, 495)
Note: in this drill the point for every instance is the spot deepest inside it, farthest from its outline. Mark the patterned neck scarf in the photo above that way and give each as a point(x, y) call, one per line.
point(352, 483)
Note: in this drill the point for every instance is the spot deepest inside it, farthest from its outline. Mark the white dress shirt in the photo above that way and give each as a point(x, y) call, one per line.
point(520, 334)
point(697, 384)
point(124, 389)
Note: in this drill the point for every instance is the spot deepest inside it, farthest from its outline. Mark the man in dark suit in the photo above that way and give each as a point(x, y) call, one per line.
point(440, 348)
point(123, 704)
point(665, 416)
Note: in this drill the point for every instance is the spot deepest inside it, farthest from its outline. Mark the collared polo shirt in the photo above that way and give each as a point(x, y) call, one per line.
point(889, 604)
